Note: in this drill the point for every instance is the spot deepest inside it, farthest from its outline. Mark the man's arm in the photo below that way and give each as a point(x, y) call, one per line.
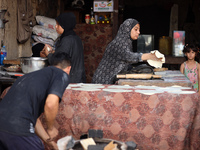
point(40, 131)
point(50, 112)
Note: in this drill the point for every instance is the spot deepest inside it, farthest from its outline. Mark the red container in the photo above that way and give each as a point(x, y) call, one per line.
point(87, 18)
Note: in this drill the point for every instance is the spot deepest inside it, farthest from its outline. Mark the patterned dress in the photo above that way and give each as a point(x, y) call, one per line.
point(192, 75)
point(118, 55)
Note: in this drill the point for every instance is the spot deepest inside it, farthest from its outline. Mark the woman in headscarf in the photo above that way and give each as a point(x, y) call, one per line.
point(119, 54)
point(71, 44)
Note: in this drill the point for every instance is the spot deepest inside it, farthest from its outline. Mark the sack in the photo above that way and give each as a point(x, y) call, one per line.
point(46, 22)
point(43, 40)
point(45, 32)
point(25, 20)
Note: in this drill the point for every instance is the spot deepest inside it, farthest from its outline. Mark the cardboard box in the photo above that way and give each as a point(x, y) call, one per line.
point(103, 6)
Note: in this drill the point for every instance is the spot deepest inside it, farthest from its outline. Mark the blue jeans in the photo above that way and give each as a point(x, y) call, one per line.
point(15, 142)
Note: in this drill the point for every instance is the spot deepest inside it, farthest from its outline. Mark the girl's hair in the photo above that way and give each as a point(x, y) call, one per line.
point(188, 48)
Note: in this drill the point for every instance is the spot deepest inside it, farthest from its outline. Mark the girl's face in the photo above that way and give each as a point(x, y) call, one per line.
point(191, 55)
point(59, 29)
point(135, 32)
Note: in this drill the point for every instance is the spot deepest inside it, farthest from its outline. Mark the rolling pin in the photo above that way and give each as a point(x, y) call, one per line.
point(139, 76)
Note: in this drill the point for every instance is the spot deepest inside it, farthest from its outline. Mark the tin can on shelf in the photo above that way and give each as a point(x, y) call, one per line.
point(87, 18)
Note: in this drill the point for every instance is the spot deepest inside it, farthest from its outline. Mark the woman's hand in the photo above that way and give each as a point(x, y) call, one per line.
point(150, 56)
point(46, 50)
point(42, 53)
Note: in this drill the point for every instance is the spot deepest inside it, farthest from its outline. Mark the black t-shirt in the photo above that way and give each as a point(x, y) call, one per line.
point(25, 100)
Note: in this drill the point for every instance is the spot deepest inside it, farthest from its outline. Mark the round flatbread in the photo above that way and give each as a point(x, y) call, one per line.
point(157, 64)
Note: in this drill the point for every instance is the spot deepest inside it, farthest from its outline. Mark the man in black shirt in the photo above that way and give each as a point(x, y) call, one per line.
point(32, 94)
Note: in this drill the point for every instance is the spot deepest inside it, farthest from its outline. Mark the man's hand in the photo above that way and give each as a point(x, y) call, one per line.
point(52, 133)
point(52, 145)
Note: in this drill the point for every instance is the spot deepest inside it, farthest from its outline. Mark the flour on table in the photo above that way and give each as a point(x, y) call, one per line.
point(157, 64)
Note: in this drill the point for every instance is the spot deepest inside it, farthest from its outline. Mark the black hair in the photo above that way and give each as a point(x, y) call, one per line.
point(60, 59)
point(189, 47)
point(36, 49)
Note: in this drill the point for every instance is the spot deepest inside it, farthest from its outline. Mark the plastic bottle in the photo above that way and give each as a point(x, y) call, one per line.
point(2, 58)
point(92, 16)
point(3, 49)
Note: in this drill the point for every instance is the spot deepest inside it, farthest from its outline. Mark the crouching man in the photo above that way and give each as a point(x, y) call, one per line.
point(32, 94)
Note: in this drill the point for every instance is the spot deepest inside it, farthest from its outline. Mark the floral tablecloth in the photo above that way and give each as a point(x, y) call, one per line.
point(156, 118)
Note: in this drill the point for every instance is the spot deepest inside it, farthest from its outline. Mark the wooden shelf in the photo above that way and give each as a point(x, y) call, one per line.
point(174, 60)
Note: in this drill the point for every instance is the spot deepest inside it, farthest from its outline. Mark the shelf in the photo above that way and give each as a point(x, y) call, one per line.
point(174, 60)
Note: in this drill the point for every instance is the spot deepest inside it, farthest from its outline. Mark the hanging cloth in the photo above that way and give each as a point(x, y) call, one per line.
point(25, 20)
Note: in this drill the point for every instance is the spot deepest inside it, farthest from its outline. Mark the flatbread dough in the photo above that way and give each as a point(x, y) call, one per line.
point(117, 90)
point(148, 92)
point(157, 64)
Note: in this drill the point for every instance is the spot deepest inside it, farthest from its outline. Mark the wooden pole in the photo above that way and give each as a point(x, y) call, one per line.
point(59, 8)
point(115, 18)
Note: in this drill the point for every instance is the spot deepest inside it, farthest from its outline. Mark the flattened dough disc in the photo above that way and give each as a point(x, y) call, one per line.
point(157, 64)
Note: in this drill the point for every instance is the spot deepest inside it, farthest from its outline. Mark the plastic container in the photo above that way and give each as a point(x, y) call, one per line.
point(92, 21)
point(165, 45)
point(3, 49)
point(1, 58)
point(87, 18)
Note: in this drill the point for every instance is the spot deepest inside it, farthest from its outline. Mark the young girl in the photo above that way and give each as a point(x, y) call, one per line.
point(191, 68)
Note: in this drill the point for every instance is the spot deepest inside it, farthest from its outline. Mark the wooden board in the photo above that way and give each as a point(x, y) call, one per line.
point(160, 69)
point(12, 62)
point(138, 76)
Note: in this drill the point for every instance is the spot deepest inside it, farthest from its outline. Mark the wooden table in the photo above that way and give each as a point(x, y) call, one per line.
point(169, 78)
